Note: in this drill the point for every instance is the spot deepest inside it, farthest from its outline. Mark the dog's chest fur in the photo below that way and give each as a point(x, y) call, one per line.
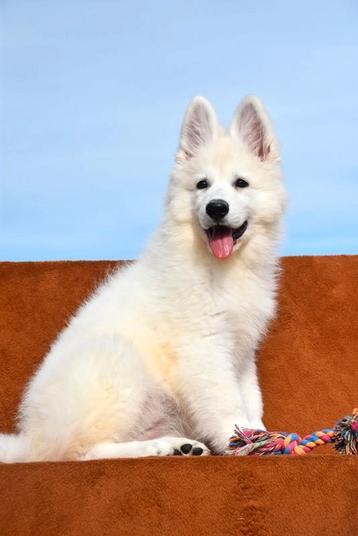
point(234, 308)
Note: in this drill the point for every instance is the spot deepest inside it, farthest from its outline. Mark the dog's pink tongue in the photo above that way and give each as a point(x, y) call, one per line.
point(221, 242)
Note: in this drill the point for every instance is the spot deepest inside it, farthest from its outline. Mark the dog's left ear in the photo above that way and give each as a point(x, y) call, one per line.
point(199, 127)
point(253, 126)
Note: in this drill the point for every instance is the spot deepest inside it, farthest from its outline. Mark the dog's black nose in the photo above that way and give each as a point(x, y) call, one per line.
point(217, 209)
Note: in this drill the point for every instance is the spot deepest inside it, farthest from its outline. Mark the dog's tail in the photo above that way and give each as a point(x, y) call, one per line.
point(14, 448)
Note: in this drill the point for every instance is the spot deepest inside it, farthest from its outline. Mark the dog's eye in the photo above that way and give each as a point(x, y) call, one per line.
point(240, 183)
point(201, 185)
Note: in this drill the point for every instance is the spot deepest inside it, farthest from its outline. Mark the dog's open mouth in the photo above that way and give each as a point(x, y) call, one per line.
point(222, 239)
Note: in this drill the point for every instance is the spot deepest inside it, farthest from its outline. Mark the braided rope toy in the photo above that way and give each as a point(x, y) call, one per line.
point(344, 436)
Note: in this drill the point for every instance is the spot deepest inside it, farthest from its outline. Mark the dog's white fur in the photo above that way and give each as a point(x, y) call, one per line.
point(165, 348)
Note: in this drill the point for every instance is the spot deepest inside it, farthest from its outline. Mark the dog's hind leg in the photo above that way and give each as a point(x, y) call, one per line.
point(89, 391)
point(162, 446)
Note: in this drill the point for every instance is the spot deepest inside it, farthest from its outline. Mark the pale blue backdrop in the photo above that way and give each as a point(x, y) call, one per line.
point(93, 92)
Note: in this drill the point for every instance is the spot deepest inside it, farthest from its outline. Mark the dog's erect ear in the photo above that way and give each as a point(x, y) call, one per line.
point(199, 127)
point(253, 126)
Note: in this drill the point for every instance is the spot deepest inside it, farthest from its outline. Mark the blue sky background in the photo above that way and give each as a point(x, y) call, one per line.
point(92, 96)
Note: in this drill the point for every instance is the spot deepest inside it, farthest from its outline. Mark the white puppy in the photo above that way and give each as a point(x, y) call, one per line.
point(161, 358)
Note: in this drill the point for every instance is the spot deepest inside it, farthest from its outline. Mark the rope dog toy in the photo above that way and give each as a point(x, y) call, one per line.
point(344, 436)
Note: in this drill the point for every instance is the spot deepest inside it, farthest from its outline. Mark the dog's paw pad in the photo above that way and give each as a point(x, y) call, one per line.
point(194, 449)
point(186, 448)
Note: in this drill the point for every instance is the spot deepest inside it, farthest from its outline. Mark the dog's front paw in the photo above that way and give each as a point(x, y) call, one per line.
point(257, 425)
point(221, 437)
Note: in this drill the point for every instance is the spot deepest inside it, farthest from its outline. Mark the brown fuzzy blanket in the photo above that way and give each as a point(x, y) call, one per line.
point(308, 370)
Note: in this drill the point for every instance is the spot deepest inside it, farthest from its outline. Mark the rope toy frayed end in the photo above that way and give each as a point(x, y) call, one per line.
point(247, 442)
point(346, 434)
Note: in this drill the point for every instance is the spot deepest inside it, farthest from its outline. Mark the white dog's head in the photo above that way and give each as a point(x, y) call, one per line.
point(226, 183)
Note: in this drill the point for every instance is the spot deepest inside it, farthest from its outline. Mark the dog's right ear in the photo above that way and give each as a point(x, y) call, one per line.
point(199, 127)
